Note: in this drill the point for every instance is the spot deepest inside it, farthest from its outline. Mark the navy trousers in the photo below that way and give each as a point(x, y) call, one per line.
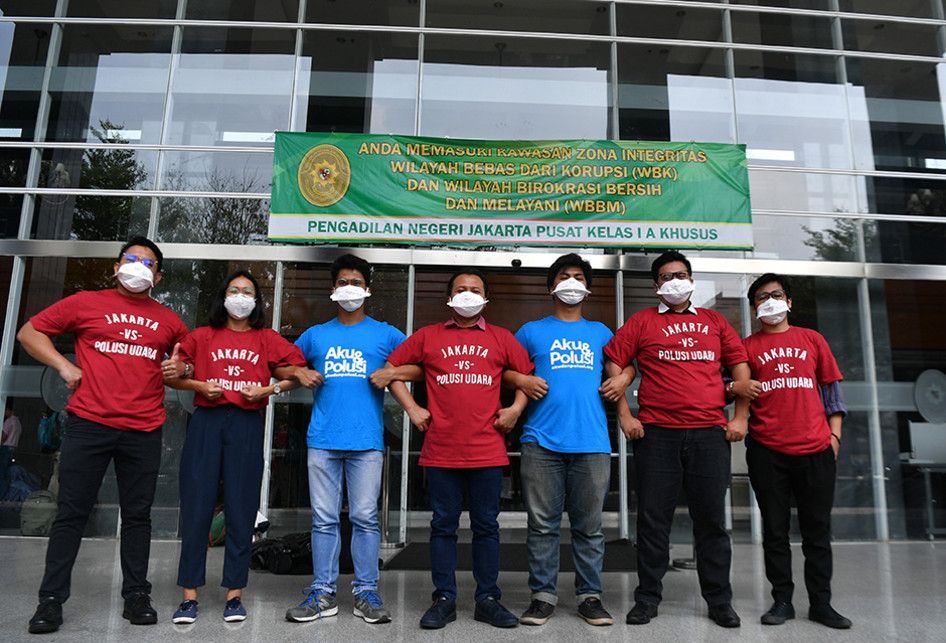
point(225, 441)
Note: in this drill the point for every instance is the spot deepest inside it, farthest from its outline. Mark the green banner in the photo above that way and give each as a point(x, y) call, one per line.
point(365, 188)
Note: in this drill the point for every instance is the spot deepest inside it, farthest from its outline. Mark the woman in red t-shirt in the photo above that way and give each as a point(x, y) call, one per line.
point(228, 364)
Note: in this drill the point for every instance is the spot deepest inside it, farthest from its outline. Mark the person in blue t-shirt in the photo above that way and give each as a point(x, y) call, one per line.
point(566, 452)
point(345, 440)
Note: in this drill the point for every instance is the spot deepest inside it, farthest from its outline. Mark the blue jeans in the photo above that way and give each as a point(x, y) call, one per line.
point(446, 488)
point(553, 482)
point(362, 474)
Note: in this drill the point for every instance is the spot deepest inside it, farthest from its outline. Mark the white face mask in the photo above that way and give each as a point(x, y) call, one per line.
point(135, 277)
point(571, 291)
point(772, 311)
point(239, 306)
point(467, 304)
point(350, 298)
point(676, 291)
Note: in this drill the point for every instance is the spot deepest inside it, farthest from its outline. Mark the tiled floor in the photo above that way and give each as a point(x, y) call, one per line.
point(891, 592)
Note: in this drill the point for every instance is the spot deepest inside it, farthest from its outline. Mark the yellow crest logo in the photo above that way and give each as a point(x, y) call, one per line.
point(324, 175)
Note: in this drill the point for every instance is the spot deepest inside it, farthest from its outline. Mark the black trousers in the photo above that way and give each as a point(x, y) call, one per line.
point(87, 448)
point(698, 460)
point(776, 477)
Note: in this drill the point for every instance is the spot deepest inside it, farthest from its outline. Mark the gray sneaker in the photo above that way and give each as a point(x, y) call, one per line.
point(317, 604)
point(368, 606)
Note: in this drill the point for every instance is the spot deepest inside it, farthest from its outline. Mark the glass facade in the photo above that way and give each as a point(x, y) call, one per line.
point(157, 117)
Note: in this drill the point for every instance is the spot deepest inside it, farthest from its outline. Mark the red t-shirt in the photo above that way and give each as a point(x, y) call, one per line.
point(463, 369)
point(788, 416)
point(236, 359)
point(120, 342)
point(679, 357)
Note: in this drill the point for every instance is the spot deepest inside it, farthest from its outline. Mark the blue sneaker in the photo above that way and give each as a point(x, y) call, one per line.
point(186, 613)
point(234, 611)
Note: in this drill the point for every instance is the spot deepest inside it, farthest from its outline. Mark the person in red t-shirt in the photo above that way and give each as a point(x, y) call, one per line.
point(682, 436)
point(464, 449)
point(231, 361)
point(792, 448)
point(115, 415)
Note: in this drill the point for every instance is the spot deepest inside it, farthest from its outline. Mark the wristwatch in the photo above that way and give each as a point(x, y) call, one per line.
point(188, 370)
point(277, 389)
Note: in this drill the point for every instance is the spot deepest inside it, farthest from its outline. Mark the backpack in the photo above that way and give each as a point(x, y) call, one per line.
point(38, 513)
point(290, 554)
point(50, 431)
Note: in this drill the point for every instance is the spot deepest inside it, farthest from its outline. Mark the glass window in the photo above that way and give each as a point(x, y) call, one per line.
point(120, 9)
point(89, 217)
point(217, 172)
point(22, 63)
point(515, 88)
point(912, 8)
point(97, 169)
point(248, 10)
point(13, 164)
point(520, 15)
point(367, 12)
point(200, 220)
point(908, 242)
point(808, 238)
point(110, 81)
point(804, 192)
point(781, 29)
point(6, 272)
point(790, 111)
point(352, 81)
point(818, 5)
point(890, 37)
point(31, 8)
point(678, 23)
point(674, 94)
point(231, 86)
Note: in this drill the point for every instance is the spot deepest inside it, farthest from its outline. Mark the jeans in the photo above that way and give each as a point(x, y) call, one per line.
point(362, 475)
point(776, 477)
point(86, 450)
point(551, 483)
point(223, 440)
point(699, 461)
point(446, 488)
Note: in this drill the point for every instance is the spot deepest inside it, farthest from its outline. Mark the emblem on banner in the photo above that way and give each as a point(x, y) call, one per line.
point(324, 175)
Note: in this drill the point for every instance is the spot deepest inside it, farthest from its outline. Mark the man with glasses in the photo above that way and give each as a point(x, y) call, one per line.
point(115, 415)
point(681, 434)
point(792, 448)
point(346, 441)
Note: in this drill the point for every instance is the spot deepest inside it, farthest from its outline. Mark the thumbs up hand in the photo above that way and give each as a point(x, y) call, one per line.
point(173, 368)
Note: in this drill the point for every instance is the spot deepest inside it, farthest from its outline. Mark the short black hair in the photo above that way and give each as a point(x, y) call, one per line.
point(218, 312)
point(668, 257)
point(476, 272)
point(571, 260)
point(147, 243)
point(767, 278)
point(351, 262)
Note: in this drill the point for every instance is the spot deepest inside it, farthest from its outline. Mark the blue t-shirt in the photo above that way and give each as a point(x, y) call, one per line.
point(347, 413)
point(570, 357)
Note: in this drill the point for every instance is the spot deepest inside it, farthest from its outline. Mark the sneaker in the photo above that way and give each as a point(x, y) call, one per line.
point(368, 606)
point(826, 615)
point(48, 616)
point(317, 604)
point(491, 611)
point(593, 612)
point(538, 613)
point(138, 610)
point(641, 613)
point(186, 613)
point(780, 612)
point(442, 611)
point(234, 611)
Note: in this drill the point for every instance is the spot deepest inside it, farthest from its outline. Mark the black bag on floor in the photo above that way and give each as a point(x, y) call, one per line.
point(292, 554)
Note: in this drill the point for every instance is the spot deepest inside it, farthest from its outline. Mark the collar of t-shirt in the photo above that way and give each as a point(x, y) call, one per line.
point(662, 308)
point(480, 323)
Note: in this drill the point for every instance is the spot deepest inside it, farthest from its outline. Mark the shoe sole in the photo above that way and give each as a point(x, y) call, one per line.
point(43, 629)
point(184, 620)
point(833, 626)
point(308, 619)
point(775, 621)
point(150, 620)
point(382, 619)
point(483, 619)
point(428, 626)
point(235, 619)
point(598, 621)
point(534, 620)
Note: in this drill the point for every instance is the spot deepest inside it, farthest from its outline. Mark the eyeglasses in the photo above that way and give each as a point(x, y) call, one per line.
point(233, 290)
point(358, 283)
point(775, 294)
point(670, 276)
point(145, 261)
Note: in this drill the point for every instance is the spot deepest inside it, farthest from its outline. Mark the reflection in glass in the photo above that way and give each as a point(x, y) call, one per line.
point(523, 15)
point(90, 217)
point(805, 192)
point(217, 172)
point(203, 220)
point(780, 29)
point(913, 8)
point(809, 238)
point(31, 8)
point(512, 88)
point(356, 82)
point(136, 9)
point(377, 12)
point(243, 10)
point(97, 169)
point(22, 59)
point(890, 37)
point(678, 23)
point(13, 163)
point(231, 86)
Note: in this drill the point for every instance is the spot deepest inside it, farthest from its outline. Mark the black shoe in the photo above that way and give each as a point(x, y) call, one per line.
point(138, 610)
point(48, 616)
point(826, 615)
point(724, 615)
point(443, 611)
point(538, 613)
point(492, 611)
point(641, 613)
point(593, 612)
point(778, 613)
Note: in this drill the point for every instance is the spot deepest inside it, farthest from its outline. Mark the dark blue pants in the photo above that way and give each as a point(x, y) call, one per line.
point(698, 460)
point(446, 488)
point(224, 440)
